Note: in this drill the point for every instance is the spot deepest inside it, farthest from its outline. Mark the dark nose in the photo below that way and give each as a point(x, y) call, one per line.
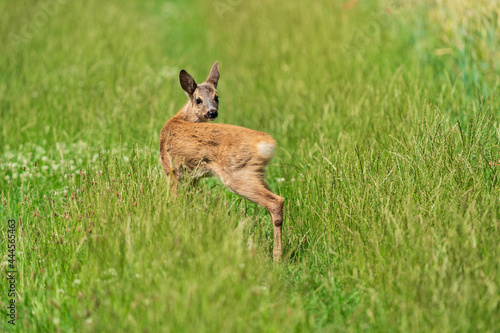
point(212, 114)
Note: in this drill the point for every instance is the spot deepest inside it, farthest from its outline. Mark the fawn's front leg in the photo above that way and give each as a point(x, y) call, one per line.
point(170, 170)
point(172, 180)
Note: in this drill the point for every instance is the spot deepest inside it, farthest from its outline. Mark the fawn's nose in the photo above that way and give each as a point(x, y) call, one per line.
point(212, 114)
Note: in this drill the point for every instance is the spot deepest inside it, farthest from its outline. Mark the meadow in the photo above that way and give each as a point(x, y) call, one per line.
point(386, 115)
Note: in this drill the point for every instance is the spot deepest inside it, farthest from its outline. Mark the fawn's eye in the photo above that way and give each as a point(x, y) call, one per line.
point(198, 101)
point(216, 99)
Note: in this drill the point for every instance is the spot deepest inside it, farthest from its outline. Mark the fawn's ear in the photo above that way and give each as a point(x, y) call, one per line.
point(214, 75)
point(187, 82)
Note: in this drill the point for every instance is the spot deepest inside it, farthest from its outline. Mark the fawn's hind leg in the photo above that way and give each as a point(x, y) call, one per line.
point(253, 188)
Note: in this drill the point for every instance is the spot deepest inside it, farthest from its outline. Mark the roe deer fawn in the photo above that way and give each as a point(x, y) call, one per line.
point(189, 144)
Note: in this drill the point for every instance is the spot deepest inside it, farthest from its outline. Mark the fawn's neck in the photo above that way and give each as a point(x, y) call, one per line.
point(187, 113)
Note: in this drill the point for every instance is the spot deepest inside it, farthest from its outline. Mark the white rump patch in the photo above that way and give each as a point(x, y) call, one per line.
point(266, 150)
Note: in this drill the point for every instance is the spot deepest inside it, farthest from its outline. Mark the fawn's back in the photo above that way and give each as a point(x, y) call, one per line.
point(198, 146)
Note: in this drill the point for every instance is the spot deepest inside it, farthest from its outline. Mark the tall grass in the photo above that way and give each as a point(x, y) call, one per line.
point(387, 125)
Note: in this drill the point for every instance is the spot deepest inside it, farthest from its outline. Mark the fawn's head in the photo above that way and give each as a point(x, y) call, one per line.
point(203, 99)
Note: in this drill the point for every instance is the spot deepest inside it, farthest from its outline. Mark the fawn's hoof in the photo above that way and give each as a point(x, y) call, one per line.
point(276, 256)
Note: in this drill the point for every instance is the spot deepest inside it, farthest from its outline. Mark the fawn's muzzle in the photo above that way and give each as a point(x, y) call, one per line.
point(212, 114)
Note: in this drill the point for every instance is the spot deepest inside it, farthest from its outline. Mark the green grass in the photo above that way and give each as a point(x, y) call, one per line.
point(386, 117)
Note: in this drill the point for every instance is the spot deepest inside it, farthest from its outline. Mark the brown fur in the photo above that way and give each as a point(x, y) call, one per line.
point(190, 145)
